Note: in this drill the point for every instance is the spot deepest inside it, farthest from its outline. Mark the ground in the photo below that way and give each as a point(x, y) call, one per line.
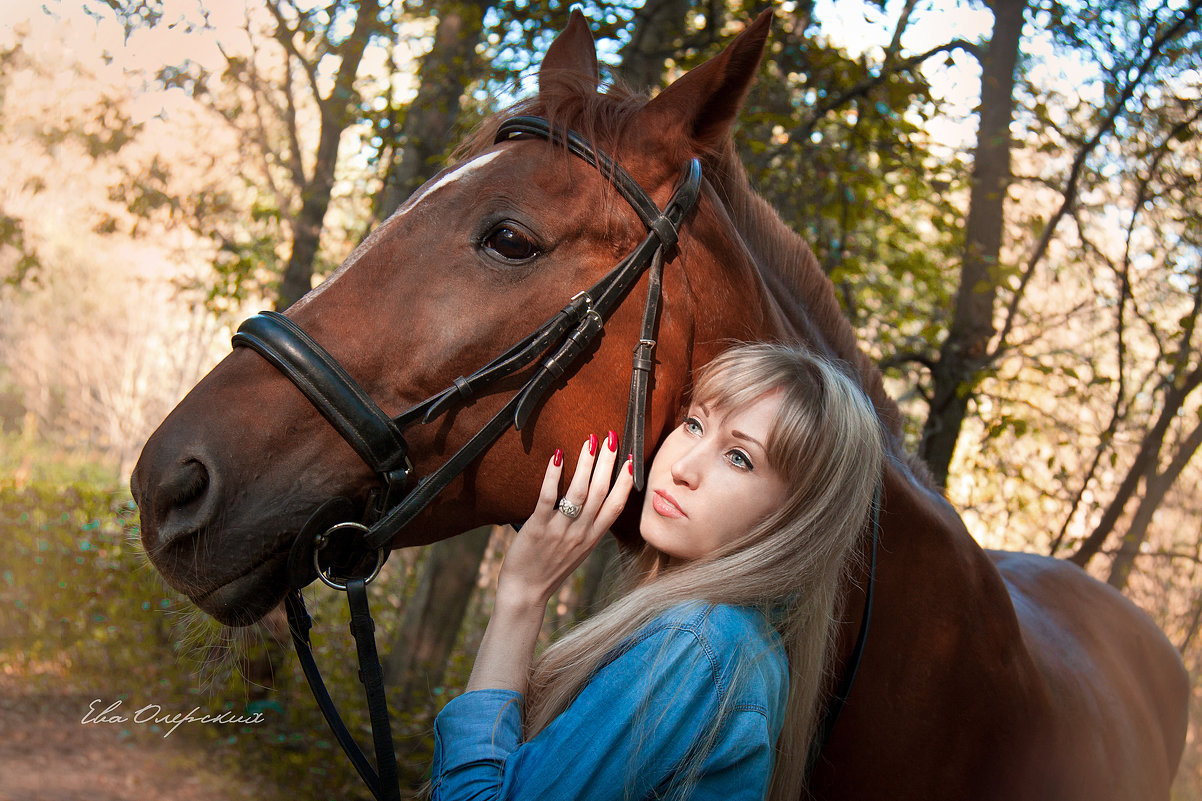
point(48, 754)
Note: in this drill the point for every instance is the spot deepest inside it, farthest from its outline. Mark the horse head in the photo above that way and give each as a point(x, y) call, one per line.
point(473, 262)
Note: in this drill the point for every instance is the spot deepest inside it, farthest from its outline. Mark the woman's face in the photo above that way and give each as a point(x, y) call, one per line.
point(710, 481)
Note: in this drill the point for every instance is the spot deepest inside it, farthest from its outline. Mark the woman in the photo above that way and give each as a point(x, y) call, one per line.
point(704, 679)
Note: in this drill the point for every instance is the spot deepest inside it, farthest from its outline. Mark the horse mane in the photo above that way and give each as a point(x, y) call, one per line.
point(573, 103)
point(777, 247)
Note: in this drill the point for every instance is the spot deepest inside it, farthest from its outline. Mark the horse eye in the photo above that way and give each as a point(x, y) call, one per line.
point(510, 243)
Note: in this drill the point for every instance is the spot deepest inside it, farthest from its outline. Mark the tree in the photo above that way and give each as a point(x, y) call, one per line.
point(337, 109)
point(965, 350)
point(1157, 129)
point(424, 127)
point(434, 614)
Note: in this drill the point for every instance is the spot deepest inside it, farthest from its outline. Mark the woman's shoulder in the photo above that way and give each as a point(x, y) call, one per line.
point(717, 622)
point(734, 646)
point(725, 633)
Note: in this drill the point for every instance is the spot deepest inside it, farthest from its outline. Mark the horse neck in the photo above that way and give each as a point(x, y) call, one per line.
point(919, 527)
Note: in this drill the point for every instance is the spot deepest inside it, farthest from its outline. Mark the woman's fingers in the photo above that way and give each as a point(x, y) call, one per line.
point(603, 471)
point(589, 488)
point(551, 545)
point(578, 490)
point(615, 501)
point(548, 494)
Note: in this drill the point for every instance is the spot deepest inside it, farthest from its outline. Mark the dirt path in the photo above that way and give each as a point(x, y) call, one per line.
point(47, 754)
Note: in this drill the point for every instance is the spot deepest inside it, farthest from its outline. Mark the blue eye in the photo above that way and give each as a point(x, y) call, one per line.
point(739, 460)
point(692, 425)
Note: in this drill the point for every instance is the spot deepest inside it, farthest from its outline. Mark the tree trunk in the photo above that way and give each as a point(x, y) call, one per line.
point(336, 115)
point(1156, 487)
point(659, 27)
point(434, 615)
point(965, 351)
point(444, 73)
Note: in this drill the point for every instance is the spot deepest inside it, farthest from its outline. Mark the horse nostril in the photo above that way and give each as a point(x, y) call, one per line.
point(183, 500)
point(190, 483)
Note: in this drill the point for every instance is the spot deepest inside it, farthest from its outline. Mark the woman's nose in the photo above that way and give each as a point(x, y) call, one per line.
point(685, 469)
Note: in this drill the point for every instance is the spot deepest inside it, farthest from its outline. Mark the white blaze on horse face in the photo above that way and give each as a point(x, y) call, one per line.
point(457, 174)
point(460, 172)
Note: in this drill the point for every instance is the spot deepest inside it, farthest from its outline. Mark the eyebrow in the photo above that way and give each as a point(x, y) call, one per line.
point(741, 435)
point(734, 433)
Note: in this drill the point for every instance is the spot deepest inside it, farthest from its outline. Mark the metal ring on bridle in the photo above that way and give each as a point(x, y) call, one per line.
point(323, 539)
point(567, 508)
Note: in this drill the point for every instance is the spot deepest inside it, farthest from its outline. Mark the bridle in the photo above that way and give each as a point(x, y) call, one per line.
point(347, 554)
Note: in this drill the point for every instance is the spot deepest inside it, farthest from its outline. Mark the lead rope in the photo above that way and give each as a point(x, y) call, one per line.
point(384, 785)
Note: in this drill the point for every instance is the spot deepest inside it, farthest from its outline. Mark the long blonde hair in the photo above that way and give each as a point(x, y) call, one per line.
point(826, 442)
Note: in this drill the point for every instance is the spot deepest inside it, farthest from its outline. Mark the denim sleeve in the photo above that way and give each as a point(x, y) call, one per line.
point(626, 736)
point(473, 736)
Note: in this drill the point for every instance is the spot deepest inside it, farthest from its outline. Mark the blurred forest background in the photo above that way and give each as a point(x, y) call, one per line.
point(1006, 194)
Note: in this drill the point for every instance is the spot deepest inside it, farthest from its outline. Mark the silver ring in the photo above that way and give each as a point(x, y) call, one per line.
point(568, 508)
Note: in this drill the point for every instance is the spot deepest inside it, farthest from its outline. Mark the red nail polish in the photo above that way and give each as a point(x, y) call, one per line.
point(592, 444)
point(558, 458)
point(630, 465)
point(611, 441)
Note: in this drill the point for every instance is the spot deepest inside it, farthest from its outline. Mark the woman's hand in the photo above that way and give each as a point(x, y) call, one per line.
point(551, 545)
point(545, 552)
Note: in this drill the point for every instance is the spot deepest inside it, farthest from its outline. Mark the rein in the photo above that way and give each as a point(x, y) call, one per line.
point(347, 554)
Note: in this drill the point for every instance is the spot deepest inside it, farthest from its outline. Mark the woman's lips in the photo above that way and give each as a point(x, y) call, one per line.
point(665, 505)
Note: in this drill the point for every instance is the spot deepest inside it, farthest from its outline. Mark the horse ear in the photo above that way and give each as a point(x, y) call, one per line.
point(572, 54)
point(706, 100)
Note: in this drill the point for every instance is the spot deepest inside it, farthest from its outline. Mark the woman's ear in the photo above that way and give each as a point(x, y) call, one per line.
point(571, 56)
point(703, 103)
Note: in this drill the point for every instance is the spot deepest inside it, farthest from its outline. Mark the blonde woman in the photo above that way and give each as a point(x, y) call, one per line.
point(703, 679)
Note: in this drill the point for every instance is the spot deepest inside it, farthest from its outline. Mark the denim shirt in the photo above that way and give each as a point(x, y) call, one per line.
point(635, 728)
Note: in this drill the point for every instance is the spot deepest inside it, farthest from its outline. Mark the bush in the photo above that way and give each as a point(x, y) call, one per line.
point(80, 604)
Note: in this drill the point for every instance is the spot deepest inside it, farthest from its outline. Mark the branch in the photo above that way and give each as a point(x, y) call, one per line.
point(865, 86)
point(286, 36)
point(903, 22)
point(1071, 184)
point(295, 162)
point(908, 357)
point(1149, 451)
point(1161, 554)
point(1116, 411)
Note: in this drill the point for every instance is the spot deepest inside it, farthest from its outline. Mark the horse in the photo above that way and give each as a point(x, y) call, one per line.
point(984, 675)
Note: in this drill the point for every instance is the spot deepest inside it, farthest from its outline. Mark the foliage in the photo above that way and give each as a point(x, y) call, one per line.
point(77, 595)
